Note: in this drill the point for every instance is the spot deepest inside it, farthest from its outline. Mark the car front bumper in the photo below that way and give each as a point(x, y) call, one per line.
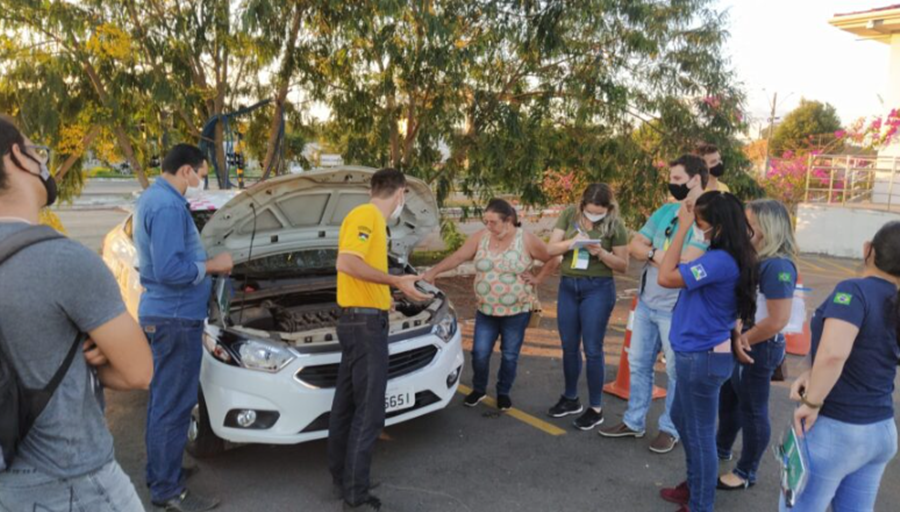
point(302, 409)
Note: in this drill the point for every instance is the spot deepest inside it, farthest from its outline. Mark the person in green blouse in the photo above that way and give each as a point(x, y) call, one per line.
point(587, 294)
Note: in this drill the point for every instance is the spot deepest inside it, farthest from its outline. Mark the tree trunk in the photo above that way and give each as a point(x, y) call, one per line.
point(287, 70)
point(119, 130)
point(86, 141)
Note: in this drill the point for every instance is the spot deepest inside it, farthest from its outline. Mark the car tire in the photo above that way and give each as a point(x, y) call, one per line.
point(203, 443)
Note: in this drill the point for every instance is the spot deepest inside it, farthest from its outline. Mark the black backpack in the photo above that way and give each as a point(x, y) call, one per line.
point(19, 406)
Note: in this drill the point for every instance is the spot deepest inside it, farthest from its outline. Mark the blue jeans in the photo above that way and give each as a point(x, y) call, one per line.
point(106, 490)
point(846, 465)
point(582, 314)
point(650, 334)
point(744, 405)
point(511, 330)
point(700, 377)
point(177, 347)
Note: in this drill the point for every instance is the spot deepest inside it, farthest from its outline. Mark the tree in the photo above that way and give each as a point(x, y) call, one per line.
point(488, 96)
point(811, 124)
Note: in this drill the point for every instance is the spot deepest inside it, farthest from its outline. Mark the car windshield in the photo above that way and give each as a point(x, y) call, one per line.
point(310, 261)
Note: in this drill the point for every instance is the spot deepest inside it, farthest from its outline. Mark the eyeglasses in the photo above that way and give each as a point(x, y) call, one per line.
point(41, 152)
point(671, 228)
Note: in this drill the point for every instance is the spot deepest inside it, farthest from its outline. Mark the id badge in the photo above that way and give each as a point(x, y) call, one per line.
point(580, 259)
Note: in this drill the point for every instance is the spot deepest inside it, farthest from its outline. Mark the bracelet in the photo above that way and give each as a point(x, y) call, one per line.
point(809, 404)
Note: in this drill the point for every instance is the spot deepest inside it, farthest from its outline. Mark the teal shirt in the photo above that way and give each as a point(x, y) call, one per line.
point(660, 229)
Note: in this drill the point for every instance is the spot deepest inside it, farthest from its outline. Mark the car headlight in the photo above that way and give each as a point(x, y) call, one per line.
point(262, 355)
point(217, 350)
point(446, 325)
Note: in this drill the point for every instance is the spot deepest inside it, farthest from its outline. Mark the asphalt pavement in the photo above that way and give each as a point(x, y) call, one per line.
point(462, 459)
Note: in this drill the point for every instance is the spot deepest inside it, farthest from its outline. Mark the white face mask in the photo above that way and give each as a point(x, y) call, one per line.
point(397, 211)
point(191, 191)
point(594, 217)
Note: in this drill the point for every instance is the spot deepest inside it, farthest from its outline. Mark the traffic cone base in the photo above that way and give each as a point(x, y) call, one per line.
point(621, 387)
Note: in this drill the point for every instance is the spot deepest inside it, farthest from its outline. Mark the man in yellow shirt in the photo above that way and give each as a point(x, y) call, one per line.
point(710, 154)
point(364, 294)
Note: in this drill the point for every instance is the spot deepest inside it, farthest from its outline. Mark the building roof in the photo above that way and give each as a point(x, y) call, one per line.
point(877, 24)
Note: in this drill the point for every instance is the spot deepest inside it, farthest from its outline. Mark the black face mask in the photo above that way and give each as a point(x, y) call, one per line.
point(717, 170)
point(46, 178)
point(679, 192)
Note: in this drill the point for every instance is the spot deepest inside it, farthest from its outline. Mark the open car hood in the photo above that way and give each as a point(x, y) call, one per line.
point(305, 211)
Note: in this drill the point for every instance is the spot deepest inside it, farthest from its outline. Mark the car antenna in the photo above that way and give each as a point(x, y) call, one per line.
point(247, 273)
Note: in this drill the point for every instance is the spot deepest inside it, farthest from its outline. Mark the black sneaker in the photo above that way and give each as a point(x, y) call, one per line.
point(565, 407)
point(589, 419)
point(504, 403)
point(372, 504)
point(188, 502)
point(473, 399)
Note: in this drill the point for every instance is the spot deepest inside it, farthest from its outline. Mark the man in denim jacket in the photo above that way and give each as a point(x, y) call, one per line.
point(175, 274)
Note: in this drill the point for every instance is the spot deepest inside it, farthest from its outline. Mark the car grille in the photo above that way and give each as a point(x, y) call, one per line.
point(403, 363)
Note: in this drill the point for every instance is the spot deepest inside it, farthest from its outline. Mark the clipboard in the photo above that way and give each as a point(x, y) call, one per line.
point(793, 457)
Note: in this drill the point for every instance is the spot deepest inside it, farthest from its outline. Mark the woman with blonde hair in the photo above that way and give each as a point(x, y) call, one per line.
point(744, 399)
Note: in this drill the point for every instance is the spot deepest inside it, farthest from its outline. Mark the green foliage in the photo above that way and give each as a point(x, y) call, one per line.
point(451, 235)
point(811, 124)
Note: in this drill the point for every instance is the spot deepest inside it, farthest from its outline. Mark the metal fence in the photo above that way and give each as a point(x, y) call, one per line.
point(873, 181)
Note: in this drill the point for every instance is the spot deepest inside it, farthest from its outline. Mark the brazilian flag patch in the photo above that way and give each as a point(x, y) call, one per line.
point(784, 277)
point(843, 299)
point(364, 234)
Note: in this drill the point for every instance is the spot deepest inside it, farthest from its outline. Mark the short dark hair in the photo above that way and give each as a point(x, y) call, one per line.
point(9, 136)
point(693, 165)
point(385, 182)
point(181, 155)
point(504, 210)
point(704, 149)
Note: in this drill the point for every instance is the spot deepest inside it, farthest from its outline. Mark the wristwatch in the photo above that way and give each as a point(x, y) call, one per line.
point(651, 254)
point(808, 403)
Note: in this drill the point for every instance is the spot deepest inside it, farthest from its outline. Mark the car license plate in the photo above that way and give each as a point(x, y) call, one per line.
point(396, 400)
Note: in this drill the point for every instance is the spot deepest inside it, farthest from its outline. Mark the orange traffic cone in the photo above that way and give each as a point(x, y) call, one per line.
point(621, 387)
point(799, 343)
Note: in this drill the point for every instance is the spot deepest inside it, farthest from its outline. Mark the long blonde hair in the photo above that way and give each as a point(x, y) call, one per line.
point(778, 231)
point(600, 194)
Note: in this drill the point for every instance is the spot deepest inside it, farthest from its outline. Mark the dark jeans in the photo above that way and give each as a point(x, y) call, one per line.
point(582, 314)
point(744, 405)
point(357, 413)
point(700, 377)
point(177, 347)
point(511, 330)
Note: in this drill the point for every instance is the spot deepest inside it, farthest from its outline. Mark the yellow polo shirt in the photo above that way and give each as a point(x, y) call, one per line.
point(364, 234)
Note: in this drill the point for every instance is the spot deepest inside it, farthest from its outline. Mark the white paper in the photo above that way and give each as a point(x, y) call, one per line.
point(583, 243)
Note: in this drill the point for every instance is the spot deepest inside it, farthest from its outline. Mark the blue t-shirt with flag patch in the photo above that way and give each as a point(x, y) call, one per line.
point(707, 307)
point(777, 278)
point(863, 393)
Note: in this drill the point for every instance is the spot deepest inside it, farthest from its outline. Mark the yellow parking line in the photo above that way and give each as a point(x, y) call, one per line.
point(553, 430)
point(813, 266)
point(838, 266)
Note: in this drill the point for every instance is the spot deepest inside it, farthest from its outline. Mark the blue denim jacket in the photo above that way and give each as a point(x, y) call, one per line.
point(171, 258)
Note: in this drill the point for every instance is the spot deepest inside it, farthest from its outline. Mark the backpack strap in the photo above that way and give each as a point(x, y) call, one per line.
point(9, 247)
point(27, 237)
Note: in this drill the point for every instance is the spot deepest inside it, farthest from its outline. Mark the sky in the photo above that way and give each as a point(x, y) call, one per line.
point(788, 47)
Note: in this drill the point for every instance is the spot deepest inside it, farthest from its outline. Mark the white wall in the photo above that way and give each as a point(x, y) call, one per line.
point(884, 192)
point(837, 231)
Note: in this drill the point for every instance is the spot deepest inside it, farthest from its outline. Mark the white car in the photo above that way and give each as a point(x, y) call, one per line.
point(272, 355)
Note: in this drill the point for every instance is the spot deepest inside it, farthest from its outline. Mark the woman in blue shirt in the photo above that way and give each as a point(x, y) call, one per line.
point(846, 406)
point(717, 289)
point(744, 400)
